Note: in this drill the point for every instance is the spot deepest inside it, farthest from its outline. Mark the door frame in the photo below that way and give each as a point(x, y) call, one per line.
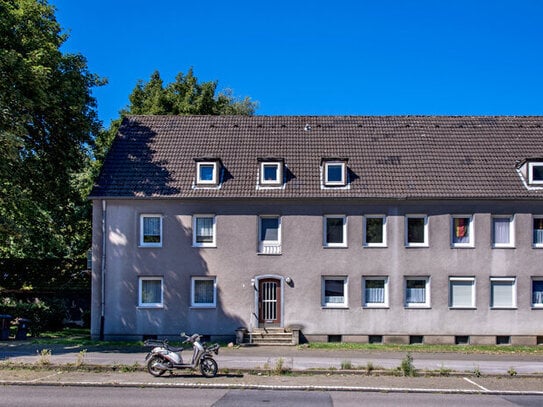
point(281, 310)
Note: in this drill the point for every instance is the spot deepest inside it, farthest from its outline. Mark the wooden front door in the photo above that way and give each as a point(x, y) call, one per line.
point(269, 301)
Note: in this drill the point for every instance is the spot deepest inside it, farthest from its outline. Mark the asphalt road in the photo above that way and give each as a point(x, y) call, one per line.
point(49, 396)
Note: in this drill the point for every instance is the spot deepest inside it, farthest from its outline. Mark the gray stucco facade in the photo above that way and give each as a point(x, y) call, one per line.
point(392, 229)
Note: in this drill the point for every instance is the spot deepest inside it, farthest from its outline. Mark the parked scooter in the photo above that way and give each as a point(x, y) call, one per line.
point(165, 358)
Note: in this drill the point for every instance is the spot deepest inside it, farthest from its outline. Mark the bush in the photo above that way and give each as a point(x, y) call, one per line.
point(43, 314)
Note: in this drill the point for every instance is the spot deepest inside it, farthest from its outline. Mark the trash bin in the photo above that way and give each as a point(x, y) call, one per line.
point(4, 326)
point(22, 328)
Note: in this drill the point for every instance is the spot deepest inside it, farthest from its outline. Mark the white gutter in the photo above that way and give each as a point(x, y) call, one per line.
point(103, 271)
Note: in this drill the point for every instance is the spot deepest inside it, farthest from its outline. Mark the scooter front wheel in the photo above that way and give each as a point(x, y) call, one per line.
point(152, 366)
point(208, 367)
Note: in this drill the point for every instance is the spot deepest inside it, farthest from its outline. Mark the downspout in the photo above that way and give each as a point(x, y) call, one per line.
point(103, 272)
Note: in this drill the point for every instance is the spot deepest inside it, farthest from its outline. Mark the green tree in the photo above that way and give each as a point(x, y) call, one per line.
point(48, 123)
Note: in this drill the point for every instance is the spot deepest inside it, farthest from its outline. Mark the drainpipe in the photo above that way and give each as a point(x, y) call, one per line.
point(103, 272)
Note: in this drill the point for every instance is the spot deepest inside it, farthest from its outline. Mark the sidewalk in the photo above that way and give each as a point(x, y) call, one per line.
point(249, 368)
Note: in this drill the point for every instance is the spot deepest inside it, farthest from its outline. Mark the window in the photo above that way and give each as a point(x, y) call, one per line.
point(334, 292)
point(150, 292)
point(269, 235)
point(207, 173)
point(416, 231)
point(203, 228)
point(335, 231)
point(271, 173)
point(204, 292)
point(502, 231)
point(335, 173)
point(537, 292)
point(417, 292)
point(538, 231)
point(462, 231)
point(150, 230)
point(535, 172)
point(375, 292)
point(502, 292)
point(375, 231)
point(462, 292)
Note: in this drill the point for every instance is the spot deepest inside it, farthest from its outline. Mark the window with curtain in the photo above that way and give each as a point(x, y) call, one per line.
point(375, 292)
point(461, 231)
point(334, 291)
point(462, 292)
point(204, 230)
point(502, 292)
point(150, 292)
point(334, 231)
point(537, 293)
point(203, 292)
point(502, 229)
point(416, 292)
point(538, 232)
point(151, 230)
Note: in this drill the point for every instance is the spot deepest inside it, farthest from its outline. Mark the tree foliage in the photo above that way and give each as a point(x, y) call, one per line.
point(48, 123)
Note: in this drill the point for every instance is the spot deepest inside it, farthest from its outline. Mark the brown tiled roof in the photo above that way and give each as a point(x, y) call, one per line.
point(389, 157)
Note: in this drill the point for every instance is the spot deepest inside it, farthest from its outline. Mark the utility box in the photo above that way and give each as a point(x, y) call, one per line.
point(4, 326)
point(22, 329)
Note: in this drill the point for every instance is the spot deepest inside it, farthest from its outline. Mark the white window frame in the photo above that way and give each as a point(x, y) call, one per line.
point(511, 281)
point(406, 230)
point(142, 304)
point(343, 180)
point(345, 303)
point(453, 280)
point(365, 303)
point(269, 246)
point(511, 243)
point(534, 244)
point(535, 304)
point(279, 172)
point(325, 231)
point(384, 231)
point(193, 302)
point(426, 303)
point(195, 243)
point(471, 236)
point(531, 173)
point(215, 178)
point(142, 242)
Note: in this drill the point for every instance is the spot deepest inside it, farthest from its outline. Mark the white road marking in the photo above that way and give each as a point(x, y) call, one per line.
point(475, 384)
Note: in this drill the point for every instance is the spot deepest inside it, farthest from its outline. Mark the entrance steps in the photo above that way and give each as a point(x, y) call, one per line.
point(270, 337)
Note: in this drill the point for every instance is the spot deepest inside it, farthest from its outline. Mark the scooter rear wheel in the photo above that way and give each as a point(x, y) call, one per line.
point(152, 366)
point(208, 367)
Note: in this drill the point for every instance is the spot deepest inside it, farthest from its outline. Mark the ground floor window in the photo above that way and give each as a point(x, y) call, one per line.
point(502, 292)
point(203, 292)
point(537, 293)
point(150, 292)
point(462, 292)
point(375, 292)
point(334, 292)
point(417, 292)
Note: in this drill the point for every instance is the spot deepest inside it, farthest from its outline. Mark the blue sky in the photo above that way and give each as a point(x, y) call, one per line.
point(380, 57)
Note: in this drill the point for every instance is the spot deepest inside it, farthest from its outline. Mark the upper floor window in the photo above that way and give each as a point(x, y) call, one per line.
point(269, 235)
point(416, 230)
point(462, 231)
point(375, 231)
point(538, 231)
point(334, 172)
point(335, 231)
point(271, 172)
point(150, 292)
point(207, 172)
point(203, 231)
point(503, 231)
point(535, 172)
point(150, 230)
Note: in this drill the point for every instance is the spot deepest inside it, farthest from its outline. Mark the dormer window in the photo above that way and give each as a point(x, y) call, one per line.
point(271, 172)
point(535, 172)
point(207, 172)
point(334, 172)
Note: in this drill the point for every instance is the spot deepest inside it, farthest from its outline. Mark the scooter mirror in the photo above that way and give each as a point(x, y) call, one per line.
point(183, 334)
